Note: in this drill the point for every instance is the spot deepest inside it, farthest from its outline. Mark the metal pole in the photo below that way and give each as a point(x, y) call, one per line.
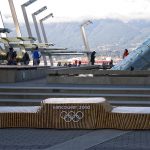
point(51, 60)
point(43, 31)
point(3, 26)
point(46, 41)
point(85, 40)
point(42, 26)
point(36, 28)
point(44, 34)
point(26, 17)
point(13, 12)
point(36, 24)
point(26, 20)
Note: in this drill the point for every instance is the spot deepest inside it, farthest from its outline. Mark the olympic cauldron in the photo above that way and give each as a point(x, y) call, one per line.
point(75, 113)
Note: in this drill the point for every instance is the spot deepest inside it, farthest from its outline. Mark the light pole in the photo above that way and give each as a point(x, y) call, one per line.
point(42, 26)
point(26, 17)
point(15, 19)
point(35, 22)
point(84, 36)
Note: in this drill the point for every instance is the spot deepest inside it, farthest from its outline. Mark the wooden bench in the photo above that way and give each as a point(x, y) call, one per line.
point(75, 113)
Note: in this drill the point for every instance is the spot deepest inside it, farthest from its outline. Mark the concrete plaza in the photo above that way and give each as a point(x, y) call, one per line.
point(49, 139)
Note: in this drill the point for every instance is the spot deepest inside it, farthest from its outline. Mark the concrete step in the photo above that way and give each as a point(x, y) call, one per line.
point(29, 95)
point(37, 102)
point(20, 102)
point(19, 95)
point(129, 103)
point(79, 90)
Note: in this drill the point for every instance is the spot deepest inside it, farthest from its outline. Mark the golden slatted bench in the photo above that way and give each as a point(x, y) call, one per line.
point(75, 113)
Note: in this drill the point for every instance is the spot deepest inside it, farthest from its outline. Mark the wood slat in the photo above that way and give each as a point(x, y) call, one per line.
point(95, 116)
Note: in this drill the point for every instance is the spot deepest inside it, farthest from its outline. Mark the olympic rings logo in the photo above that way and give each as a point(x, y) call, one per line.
point(71, 116)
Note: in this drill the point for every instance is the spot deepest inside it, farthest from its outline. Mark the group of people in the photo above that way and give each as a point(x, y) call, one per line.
point(12, 57)
point(75, 64)
point(92, 59)
point(78, 63)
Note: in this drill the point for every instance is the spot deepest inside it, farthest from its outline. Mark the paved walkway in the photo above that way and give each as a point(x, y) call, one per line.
point(48, 139)
point(35, 139)
point(88, 140)
point(135, 140)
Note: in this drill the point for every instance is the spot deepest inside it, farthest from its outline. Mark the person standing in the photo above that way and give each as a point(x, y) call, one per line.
point(79, 63)
point(111, 63)
point(93, 58)
point(76, 63)
point(126, 53)
point(26, 58)
point(36, 56)
point(11, 57)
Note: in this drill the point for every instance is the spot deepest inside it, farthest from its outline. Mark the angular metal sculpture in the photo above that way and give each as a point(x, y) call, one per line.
point(44, 34)
point(36, 24)
point(26, 17)
point(42, 26)
point(137, 59)
point(84, 36)
point(15, 19)
point(3, 30)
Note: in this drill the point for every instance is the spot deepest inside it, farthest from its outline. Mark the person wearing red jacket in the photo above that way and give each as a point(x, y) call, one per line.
point(126, 53)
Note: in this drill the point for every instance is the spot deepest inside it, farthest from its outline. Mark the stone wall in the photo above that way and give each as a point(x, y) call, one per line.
point(18, 74)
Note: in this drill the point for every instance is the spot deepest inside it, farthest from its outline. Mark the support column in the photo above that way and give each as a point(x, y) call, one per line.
point(14, 15)
point(43, 31)
point(3, 26)
point(36, 28)
point(26, 21)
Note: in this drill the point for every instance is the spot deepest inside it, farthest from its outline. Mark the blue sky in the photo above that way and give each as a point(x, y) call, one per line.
point(78, 10)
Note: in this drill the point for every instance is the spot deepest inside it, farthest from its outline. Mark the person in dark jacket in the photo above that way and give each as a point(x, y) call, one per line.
point(26, 58)
point(11, 57)
point(93, 58)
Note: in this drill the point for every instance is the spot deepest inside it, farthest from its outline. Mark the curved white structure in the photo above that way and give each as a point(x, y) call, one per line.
point(139, 59)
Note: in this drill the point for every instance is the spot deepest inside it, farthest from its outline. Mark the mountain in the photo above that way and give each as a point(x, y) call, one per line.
point(103, 35)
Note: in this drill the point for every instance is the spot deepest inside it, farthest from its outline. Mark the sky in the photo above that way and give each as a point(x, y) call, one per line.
point(78, 10)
